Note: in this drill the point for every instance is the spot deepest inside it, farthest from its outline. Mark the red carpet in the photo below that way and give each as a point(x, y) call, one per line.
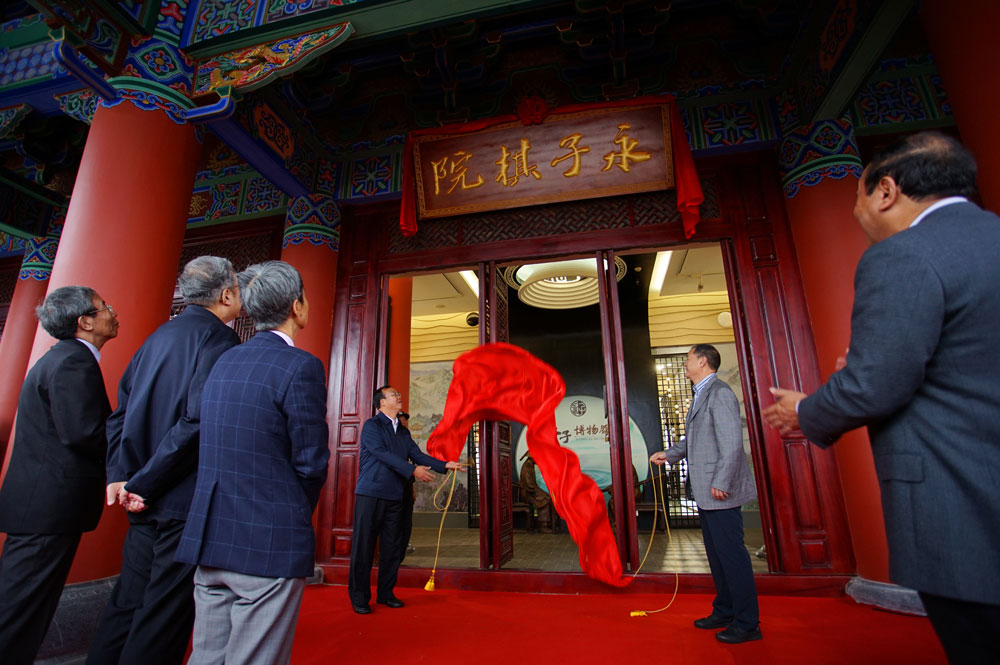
point(483, 628)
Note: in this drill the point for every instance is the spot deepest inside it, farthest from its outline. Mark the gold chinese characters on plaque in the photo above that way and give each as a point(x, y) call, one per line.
point(571, 156)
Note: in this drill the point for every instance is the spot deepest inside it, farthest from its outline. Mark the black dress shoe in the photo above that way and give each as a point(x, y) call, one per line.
point(392, 601)
point(737, 635)
point(712, 621)
point(362, 609)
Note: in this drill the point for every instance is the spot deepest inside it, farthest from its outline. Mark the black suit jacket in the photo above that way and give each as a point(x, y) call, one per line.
point(55, 482)
point(153, 434)
point(385, 459)
point(923, 373)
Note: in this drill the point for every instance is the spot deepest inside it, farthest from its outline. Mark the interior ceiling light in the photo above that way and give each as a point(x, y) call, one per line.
point(559, 284)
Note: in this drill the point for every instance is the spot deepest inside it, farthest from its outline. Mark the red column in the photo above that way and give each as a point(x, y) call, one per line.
point(310, 243)
point(19, 331)
point(963, 41)
point(400, 307)
point(123, 235)
point(822, 169)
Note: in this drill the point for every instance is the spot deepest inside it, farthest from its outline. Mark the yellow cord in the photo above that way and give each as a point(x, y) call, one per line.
point(444, 512)
point(661, 500)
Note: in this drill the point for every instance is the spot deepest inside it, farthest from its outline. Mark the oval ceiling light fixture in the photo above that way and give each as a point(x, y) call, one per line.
point(559, 284)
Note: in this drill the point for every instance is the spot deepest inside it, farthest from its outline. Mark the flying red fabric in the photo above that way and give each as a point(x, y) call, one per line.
point(505, 382)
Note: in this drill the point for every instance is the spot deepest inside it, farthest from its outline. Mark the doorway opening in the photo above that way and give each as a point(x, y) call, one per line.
point(618, 334)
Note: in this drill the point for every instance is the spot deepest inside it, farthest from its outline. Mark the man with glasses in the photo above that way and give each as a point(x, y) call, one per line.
point(152, 459)
point(53, 487)
point(386, 453)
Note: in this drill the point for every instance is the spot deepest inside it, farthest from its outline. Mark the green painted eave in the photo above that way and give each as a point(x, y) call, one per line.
point(34, 34)
point(372, 19)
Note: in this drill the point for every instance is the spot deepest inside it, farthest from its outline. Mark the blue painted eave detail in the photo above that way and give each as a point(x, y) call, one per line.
point(259, 157)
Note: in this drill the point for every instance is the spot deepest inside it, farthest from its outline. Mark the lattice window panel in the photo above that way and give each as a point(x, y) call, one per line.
point(241, 251)
point(675, 394)
point(472, 477)
point(554, 219)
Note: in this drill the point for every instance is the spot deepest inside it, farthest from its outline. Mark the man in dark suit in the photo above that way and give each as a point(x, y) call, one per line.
point(263, 460)
point(386, 451)
point(923, 373)
point(719, 478)
point(54, 484)
point(152, 459)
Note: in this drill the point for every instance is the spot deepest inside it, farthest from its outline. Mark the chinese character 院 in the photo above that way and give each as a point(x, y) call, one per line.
point(456, 170)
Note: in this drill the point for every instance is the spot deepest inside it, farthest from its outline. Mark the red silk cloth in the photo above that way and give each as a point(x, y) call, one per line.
point(505, 382)
point(689, 194)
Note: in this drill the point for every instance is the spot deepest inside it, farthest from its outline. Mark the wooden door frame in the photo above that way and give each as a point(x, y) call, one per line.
point(802, 508)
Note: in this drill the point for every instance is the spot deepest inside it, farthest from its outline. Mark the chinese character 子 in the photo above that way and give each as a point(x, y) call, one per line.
point(563, 435)
point(456, 170)
point(628, 151)
point(570, 143)
point(519, 165)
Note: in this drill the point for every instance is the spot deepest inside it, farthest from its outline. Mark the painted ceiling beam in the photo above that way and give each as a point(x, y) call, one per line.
point(855, 70)
point(371, 20)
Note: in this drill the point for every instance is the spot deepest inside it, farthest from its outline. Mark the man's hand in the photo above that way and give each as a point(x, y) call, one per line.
point(719, 495)
point(782, 414)
point(455, 466)
point(423, 474)
point(659, 458)
point(133, 502)
point(112, 490)
point(841, 361)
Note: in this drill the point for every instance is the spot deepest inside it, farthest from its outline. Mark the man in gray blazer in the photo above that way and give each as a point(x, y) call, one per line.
point(923, 373)
point(719, 478)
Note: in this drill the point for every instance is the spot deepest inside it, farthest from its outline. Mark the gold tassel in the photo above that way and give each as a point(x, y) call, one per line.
point(444, 511)
point(657, 501)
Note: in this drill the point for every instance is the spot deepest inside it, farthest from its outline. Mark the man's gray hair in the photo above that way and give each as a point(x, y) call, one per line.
point(268, 290)
point(61, 309)
point(205, 278)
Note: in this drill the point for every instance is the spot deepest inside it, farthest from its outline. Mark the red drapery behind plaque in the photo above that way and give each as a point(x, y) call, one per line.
point(689, 194)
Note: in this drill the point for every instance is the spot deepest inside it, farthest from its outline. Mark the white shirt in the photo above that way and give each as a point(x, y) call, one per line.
point(938, 204)
point(288, 340)
point(700, 387)
point(93, 349)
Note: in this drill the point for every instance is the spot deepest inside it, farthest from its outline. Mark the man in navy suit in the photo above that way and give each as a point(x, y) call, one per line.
point(923, 373)
point(53, 488)
point(262, 462)
point(386, 451)
point(152, 459)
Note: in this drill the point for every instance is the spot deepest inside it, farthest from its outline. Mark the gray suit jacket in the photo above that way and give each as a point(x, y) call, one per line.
point(714, 449)
point(923, 373)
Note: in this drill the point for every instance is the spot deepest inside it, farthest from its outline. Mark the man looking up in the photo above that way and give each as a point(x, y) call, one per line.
point(719, 478)
point(923, 373)
point(386, 451)
point(53, 488)
point(152, 458)
point(262, 462)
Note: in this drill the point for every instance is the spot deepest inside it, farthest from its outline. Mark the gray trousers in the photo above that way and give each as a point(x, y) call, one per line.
point(244, 618)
